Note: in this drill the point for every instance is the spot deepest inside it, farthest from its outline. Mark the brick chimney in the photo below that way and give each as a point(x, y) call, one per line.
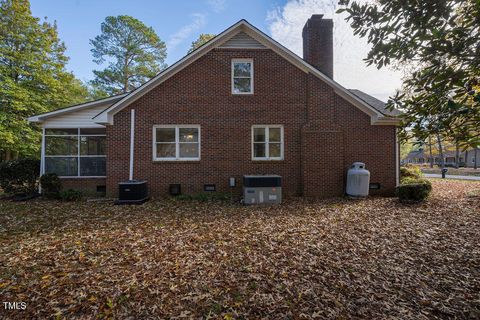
point(318, 43)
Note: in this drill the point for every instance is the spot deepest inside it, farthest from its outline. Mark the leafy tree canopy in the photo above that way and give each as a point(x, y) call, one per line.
point(440, 40)
point(133, 51)
point(33, 78)
point(202, 39)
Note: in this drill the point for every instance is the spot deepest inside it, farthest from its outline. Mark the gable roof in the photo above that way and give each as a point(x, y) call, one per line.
point(376, 103)
point(242, 40)
point(377, 117)
point(90, 104)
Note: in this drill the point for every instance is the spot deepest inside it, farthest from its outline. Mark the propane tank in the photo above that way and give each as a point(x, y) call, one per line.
point(358, 180)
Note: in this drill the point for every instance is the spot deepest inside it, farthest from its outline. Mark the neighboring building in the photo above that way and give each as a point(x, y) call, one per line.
point(240, 104)
point(466, 158)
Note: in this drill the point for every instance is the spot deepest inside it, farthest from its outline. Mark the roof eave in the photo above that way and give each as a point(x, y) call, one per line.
point(42, 117)
point(385, 121)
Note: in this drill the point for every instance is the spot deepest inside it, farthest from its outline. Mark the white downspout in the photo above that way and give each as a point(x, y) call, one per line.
point(42, 158)
point(397, 158)
point(132, 141)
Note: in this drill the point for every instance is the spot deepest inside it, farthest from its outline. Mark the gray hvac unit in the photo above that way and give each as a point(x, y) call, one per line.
point(262, 189)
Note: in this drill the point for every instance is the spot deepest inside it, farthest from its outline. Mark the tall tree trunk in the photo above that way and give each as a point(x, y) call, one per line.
point(430, 147)
point(475, 157)
point(125, 76)
point(457, 155)
point(8, 155)
point(440, 151)
point(466, 158)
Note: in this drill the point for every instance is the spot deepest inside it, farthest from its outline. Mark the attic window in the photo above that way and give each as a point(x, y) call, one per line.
point(242, 76)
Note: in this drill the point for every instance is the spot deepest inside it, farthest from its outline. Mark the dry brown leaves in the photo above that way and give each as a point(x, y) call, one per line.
point(305, 259)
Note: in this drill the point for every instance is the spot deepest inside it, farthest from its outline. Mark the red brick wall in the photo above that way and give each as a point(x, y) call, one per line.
point(201, 94)
point(86, 185)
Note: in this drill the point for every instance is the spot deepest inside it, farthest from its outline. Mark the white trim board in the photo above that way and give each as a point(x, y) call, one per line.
point(377, 118)
point(107, 101)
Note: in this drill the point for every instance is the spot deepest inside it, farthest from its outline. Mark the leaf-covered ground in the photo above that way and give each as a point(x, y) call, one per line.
point(375, 258)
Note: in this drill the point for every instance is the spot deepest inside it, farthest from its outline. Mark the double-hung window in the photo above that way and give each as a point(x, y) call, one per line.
point(176, 142)
point(78, 152)
point(242, 76)
point(267, 142)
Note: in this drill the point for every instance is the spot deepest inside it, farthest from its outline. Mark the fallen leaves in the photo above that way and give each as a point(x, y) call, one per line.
point(337, 258)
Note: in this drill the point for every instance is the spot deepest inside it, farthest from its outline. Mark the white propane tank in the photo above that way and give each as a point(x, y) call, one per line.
point(358, 180)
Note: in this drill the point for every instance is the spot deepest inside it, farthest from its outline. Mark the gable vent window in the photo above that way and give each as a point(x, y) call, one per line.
point(242, 76)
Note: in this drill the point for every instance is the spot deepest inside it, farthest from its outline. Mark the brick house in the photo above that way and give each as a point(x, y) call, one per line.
point(240, 104)
point(468, 158)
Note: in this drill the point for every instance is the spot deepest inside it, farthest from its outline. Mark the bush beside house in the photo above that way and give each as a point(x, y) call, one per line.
point(71, 195)
point(414, 192)
point(413, 187)
point(20, 176)
point(51, 185)
point(410, 171)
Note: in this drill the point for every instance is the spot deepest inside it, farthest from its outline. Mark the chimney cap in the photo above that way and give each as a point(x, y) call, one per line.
point(316, 16)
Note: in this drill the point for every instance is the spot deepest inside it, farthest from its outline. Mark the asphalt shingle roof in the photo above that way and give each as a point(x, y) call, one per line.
point(375, 103)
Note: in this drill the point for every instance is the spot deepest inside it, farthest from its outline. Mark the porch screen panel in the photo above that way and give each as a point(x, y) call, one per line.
point(75, 152)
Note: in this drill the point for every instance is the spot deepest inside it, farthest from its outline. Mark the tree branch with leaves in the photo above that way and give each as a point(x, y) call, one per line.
point(202, 39)
point(440, 40)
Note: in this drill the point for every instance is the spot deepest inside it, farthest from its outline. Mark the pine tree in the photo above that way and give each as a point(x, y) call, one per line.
point(134, 51)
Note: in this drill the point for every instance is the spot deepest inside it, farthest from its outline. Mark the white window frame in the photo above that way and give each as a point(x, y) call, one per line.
point(177, 142)
point(78, 155)
point(232, 75)
point(267, 141)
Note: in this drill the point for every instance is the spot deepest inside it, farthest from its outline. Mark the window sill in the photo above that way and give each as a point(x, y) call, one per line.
point(82, 177)
point(176, 160)
point(267, 160)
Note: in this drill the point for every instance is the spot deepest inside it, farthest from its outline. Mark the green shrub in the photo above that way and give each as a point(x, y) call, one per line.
point(414, 191)
point(51, 185)
point(71, 195)
point(410, 171)
point(19, 176)
point(411, 180)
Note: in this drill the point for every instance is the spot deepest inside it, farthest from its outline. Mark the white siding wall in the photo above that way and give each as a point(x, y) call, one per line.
point(76, 119)
point(242, 41)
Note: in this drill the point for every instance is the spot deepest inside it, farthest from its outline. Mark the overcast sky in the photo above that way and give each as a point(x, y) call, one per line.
point(178, 23)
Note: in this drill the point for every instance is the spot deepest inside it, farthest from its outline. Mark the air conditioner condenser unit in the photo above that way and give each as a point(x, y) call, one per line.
point(262, 189)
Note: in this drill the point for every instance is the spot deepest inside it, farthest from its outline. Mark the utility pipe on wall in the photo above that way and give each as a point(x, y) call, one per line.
point(42, 159)
point(132, 140)
point(397, 158)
